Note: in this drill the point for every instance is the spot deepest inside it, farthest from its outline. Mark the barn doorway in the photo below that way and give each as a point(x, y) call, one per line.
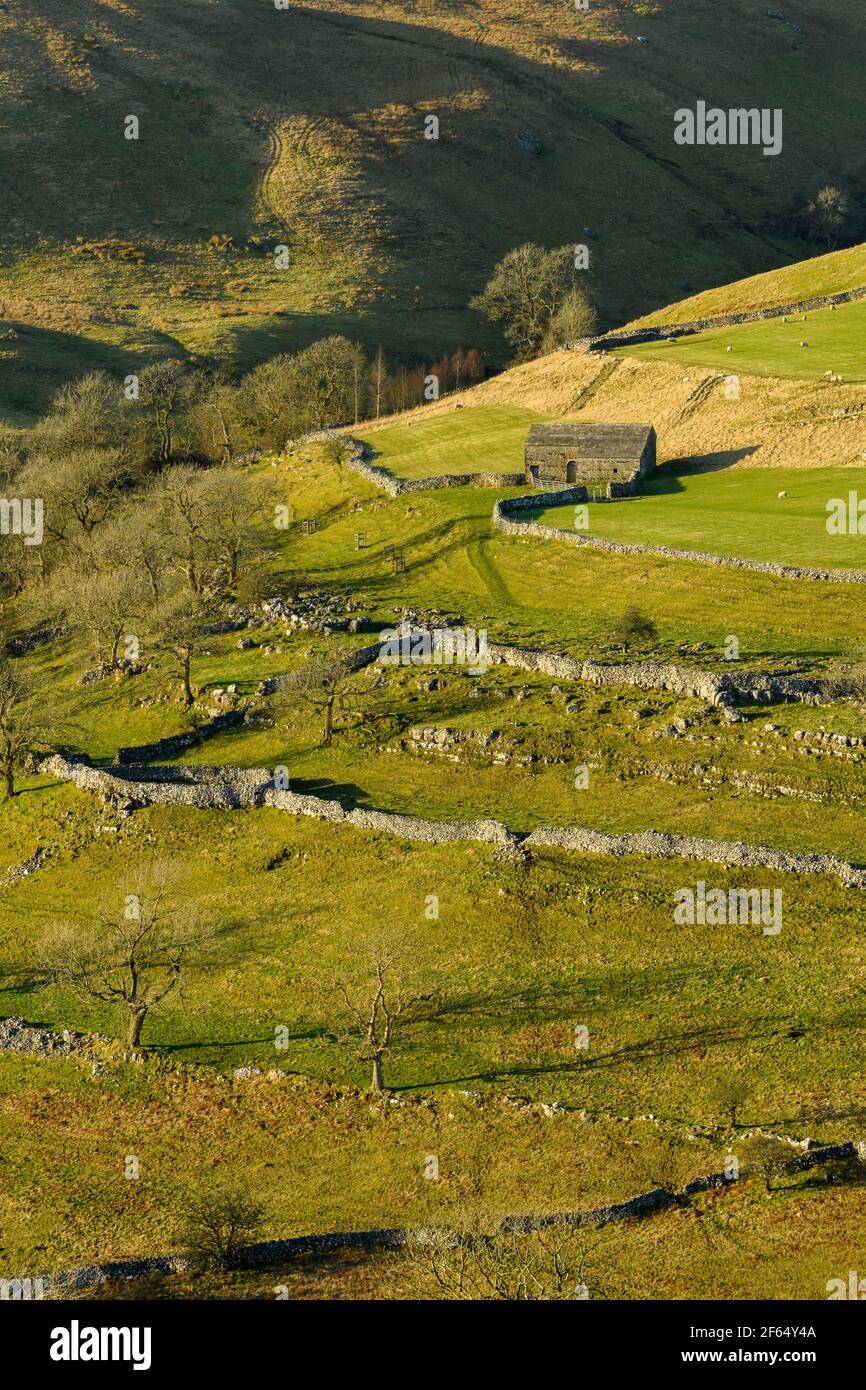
point(571, 471)
point(533, 473)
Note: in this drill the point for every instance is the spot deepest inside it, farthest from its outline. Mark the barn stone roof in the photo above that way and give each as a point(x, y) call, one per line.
point(592, 441)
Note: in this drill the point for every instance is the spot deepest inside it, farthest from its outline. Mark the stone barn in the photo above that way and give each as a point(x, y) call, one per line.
point(562, 454)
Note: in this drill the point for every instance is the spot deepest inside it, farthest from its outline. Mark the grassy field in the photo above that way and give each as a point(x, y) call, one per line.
point(459, 443)
point(488, 1077)
point(828, 274)
point(107, 251)
point(746, 1243)
point(835, 338)
point(350, 1159)
point(738, 512)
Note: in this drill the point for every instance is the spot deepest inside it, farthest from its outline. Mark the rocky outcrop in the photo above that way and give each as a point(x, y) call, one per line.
point(502, 521)
point(16, 1035)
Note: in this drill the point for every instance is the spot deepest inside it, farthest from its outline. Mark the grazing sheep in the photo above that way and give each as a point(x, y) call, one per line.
point(803, 343)
point(783, 494)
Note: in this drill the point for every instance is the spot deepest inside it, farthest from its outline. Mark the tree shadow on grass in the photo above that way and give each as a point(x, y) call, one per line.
point(225, 1044)
point(672, 1045)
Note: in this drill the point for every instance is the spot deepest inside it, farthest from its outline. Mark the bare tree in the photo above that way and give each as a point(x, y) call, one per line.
point(575, 318)
point(484, 1259)
point(218, 1225)
point(101, 599)
point(527, 289)
point(137, 534)
point(378, 381)
point(237, 503)
point(634, 628)
point(827, 215)
point(186, 500)
point(79, 490)
point(161, 390)
point(384, 1004)
point(768, 1157)
point(90, 413)
point(331, 685)
point(135, 955)
point(181, 622)
point(19, 725)
point(732, 1092)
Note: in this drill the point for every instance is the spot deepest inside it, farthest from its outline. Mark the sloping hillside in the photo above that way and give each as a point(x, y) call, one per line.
point(305, 127)
point(823, 275)
point(772, 423)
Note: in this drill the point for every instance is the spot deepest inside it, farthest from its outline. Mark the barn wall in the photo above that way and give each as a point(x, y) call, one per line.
point(552, 464)
point(648, 457)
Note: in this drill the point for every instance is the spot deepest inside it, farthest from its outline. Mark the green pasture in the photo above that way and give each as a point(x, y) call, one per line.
point(835, 341)
point(736, 512)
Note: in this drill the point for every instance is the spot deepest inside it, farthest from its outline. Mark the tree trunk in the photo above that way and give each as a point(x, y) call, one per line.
point(227, 443)
point(376, 1080)
point(329, 722)
point(8, 783)
point(187, 688)
point(136, 1023)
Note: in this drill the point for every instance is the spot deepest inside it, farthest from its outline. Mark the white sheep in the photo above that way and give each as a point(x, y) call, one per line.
point(783, 494)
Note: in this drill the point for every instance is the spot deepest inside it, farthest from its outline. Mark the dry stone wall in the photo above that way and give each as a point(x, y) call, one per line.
point(357, 460)
point(268, 1251)
point(236, 788)
point(724, 690)
point(502, 522)
point(606, 341)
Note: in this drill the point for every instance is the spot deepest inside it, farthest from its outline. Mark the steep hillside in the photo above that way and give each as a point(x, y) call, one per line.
point(772, 422)
point(830, 274)
point(305, 127)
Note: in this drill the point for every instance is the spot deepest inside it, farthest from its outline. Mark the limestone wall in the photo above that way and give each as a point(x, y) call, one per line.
point(606, 341)
point(502, 522)
point(268, 1251)
point(237, 788)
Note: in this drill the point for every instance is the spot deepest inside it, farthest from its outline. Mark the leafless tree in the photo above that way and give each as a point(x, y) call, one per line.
point(482, 1258)
point(217, 1225)
point(162, 392)
point(331, 685)
point(384, 1004)
point(180, 621)
point(135, 955)
point(732, 1092)
point(19, 723)
point(237, 502)
point(827, 215)
point(186, 502)
point(100, 597)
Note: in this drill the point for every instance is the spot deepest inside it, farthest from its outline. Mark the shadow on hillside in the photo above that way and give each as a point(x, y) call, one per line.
point(670, 1045)
point(303, 1035)
point(665, 477)
point(44, 359)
